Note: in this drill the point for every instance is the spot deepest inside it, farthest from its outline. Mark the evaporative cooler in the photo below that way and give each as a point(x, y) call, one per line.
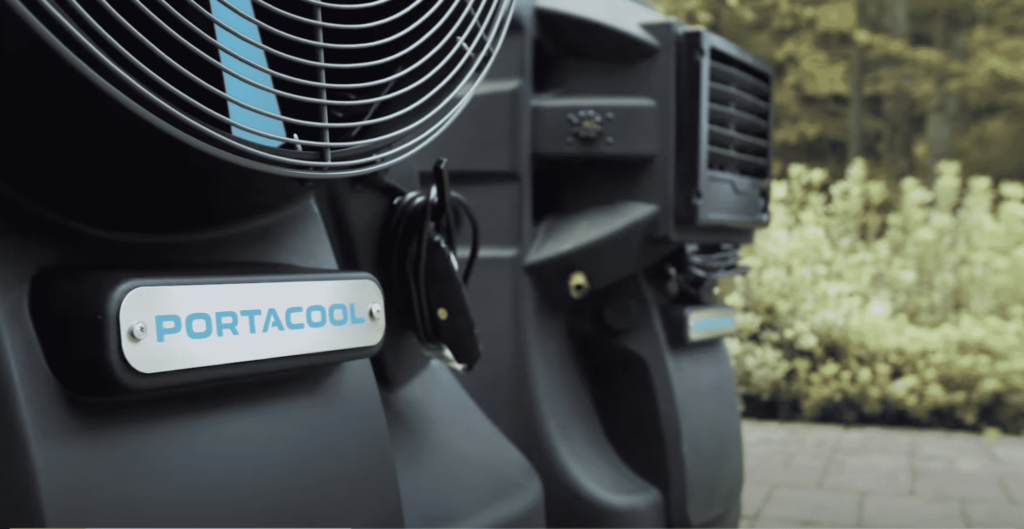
point(187, 316)
point(372, 263)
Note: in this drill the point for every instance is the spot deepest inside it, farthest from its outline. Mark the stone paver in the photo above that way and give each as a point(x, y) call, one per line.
point(822, 440)
point(1009, 454)
point(952, 484)
point(875, 441)
point(811, 475)
point(792, 469)
point(827, 507)
point(952, 445)
point(797, 439)
point(869, 473)
point(970, 463)
point(766, 523)
point(887, 510)
point(1015, 485)
point(753, 498)
point(984, 514)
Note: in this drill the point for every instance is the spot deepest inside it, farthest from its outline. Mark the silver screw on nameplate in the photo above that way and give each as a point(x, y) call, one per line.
point(137, 330)
point(376, 311)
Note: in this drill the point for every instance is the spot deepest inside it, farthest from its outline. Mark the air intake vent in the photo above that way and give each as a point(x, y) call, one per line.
point(724, 132)
point(739, 111)
point(305, 88)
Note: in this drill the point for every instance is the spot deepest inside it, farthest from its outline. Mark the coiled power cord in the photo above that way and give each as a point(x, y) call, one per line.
point(423, 266)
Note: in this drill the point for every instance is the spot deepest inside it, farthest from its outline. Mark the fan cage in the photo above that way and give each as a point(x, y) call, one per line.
point(355, 87)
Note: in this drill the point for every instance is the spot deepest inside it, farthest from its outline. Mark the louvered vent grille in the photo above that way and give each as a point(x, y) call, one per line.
point(724, 118)
point(293, 87)
point(739, 117)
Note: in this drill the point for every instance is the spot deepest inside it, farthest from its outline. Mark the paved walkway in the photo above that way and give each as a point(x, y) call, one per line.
point(821, 475)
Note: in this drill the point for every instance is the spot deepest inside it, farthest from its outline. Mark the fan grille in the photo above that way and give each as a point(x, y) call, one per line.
point(304, 88)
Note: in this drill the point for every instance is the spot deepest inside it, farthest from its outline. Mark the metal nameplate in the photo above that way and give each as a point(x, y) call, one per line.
point(170, 328)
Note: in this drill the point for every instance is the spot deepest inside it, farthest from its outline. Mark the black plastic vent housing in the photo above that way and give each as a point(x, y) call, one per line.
point(671, 115)
point(724, 132)
point(300, 88)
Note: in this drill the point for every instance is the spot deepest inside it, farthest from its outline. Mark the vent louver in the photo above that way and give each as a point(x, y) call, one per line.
point(739, 111)
point(724, 135)
point(304, 88)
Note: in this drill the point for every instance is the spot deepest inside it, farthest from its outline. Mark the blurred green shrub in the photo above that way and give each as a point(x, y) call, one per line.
point(864, 305)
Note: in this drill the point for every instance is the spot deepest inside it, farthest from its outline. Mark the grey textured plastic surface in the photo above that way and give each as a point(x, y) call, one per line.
point(558, 181)
point(455, 468)
point(559, 236)
point(599, 29)
point(605, 242)
point(587, 484)
point(629, 127)
point(727, 197)
point(695, 398)
point(308, 448)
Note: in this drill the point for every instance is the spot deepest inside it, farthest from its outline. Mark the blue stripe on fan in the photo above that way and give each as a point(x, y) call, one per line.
point(251, 95)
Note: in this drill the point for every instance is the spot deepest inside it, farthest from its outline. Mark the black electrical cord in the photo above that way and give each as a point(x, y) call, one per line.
point(704, 266)
point(414, 221)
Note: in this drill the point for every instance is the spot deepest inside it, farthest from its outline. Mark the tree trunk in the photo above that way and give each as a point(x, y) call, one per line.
point(855, 144)
point(945, 115)
point(897, 106)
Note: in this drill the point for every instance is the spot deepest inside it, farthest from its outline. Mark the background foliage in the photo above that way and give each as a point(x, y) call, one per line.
point(938, 79)
point(914, 316)
point(896, 298)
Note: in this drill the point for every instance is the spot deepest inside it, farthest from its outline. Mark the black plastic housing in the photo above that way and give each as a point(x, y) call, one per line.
point(605, 242)
point(625, 428)
point(683, 121)
point(724, 119)
point(75, 315)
